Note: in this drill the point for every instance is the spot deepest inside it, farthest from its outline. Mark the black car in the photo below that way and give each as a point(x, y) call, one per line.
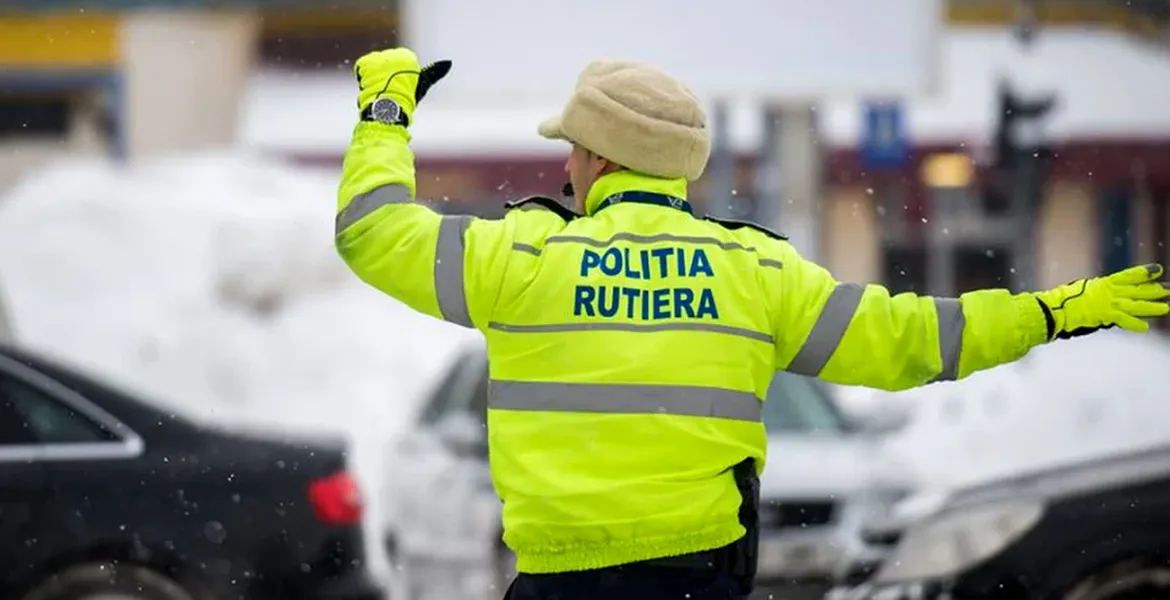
point(102, 493)
point(1098, 530)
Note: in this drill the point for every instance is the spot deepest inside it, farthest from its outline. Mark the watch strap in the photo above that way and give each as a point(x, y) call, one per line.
point(367, 114)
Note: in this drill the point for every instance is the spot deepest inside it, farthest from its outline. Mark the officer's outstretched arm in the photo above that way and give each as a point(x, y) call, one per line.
point(861, 335)
point(449, 267)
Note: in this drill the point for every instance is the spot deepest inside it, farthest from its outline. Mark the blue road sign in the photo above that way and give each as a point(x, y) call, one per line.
point(883, 136)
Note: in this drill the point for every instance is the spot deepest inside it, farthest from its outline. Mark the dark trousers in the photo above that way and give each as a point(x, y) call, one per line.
point(627, 582)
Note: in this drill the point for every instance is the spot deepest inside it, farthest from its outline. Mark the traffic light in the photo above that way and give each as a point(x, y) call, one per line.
point(1020, 149)
point(1019, 130)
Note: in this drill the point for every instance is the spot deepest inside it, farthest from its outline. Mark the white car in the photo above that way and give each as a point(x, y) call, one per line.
point(882, 535)
point(822, 480)
point(444, 516)
point(826, 476)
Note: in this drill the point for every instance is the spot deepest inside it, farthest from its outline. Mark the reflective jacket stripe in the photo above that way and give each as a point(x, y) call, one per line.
point(677, 400)
point(635, 328)
point(833, 322)
point(449, 247)
point(365, 204)
point(828, 330)
point(526, 248)
point(648, 239)
point(449, 253)
point(951, 322)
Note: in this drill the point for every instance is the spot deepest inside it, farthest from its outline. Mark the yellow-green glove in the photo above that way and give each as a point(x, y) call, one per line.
point(395, 74)
point(1123, 299)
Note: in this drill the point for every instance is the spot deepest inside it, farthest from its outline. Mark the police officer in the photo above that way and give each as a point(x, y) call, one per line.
point(630, 345)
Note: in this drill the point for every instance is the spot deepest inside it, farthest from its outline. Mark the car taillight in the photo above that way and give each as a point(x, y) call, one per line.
point(336, 499)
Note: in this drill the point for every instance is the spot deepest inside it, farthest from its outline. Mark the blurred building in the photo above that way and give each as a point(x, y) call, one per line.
point(133, 78)
point(1103, 204)
point(1107, 176)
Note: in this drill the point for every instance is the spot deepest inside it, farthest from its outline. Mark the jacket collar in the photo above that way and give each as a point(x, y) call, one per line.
point(630, 181)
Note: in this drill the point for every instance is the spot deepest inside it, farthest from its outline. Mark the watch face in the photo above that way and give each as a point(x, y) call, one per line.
point(385, 110)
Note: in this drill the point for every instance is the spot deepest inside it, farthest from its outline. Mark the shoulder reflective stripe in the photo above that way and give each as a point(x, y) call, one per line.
point(951, 322)
point(634, 328)
point(661, 237)
point(828, 330)
point(449, 270)
point(363, 204)
point(625, 399)
point(526, 248)
point(647, 239)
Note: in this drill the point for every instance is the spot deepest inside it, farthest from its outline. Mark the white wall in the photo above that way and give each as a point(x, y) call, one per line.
point(185, 74)
point(795, 50)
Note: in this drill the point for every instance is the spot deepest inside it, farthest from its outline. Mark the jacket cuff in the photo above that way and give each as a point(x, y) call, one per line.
point(375, 131)
point(1031, 321)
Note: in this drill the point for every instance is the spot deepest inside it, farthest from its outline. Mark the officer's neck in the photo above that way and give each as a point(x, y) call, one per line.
point(629, 181)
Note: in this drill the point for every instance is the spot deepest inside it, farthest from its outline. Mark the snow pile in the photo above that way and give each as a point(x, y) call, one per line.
point(1065, 402)
point(210, 283)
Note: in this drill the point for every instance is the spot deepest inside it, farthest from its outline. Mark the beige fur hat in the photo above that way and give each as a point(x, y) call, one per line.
point(636, 116)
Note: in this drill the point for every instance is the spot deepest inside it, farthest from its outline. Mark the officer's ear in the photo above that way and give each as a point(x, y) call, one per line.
point(608, 166)
point(600, 165)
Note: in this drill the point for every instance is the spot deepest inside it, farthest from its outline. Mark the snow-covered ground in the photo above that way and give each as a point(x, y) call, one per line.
point(210, 283)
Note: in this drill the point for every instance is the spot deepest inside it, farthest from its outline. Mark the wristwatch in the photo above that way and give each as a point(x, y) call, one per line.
point(385, 110)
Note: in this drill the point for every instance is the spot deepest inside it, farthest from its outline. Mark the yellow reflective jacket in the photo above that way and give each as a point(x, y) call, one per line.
point(629, 350)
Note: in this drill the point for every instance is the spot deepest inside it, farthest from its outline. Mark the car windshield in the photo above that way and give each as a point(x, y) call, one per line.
point(452, 392)
point(796, 403)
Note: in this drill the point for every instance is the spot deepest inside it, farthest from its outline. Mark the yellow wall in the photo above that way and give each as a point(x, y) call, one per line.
point(69, 40)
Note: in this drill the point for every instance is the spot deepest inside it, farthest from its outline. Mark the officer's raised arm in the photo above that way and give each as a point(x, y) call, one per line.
point(400, 247)
point(862, 335)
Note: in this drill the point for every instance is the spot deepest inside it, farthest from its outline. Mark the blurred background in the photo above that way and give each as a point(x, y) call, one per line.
point(168, 174)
